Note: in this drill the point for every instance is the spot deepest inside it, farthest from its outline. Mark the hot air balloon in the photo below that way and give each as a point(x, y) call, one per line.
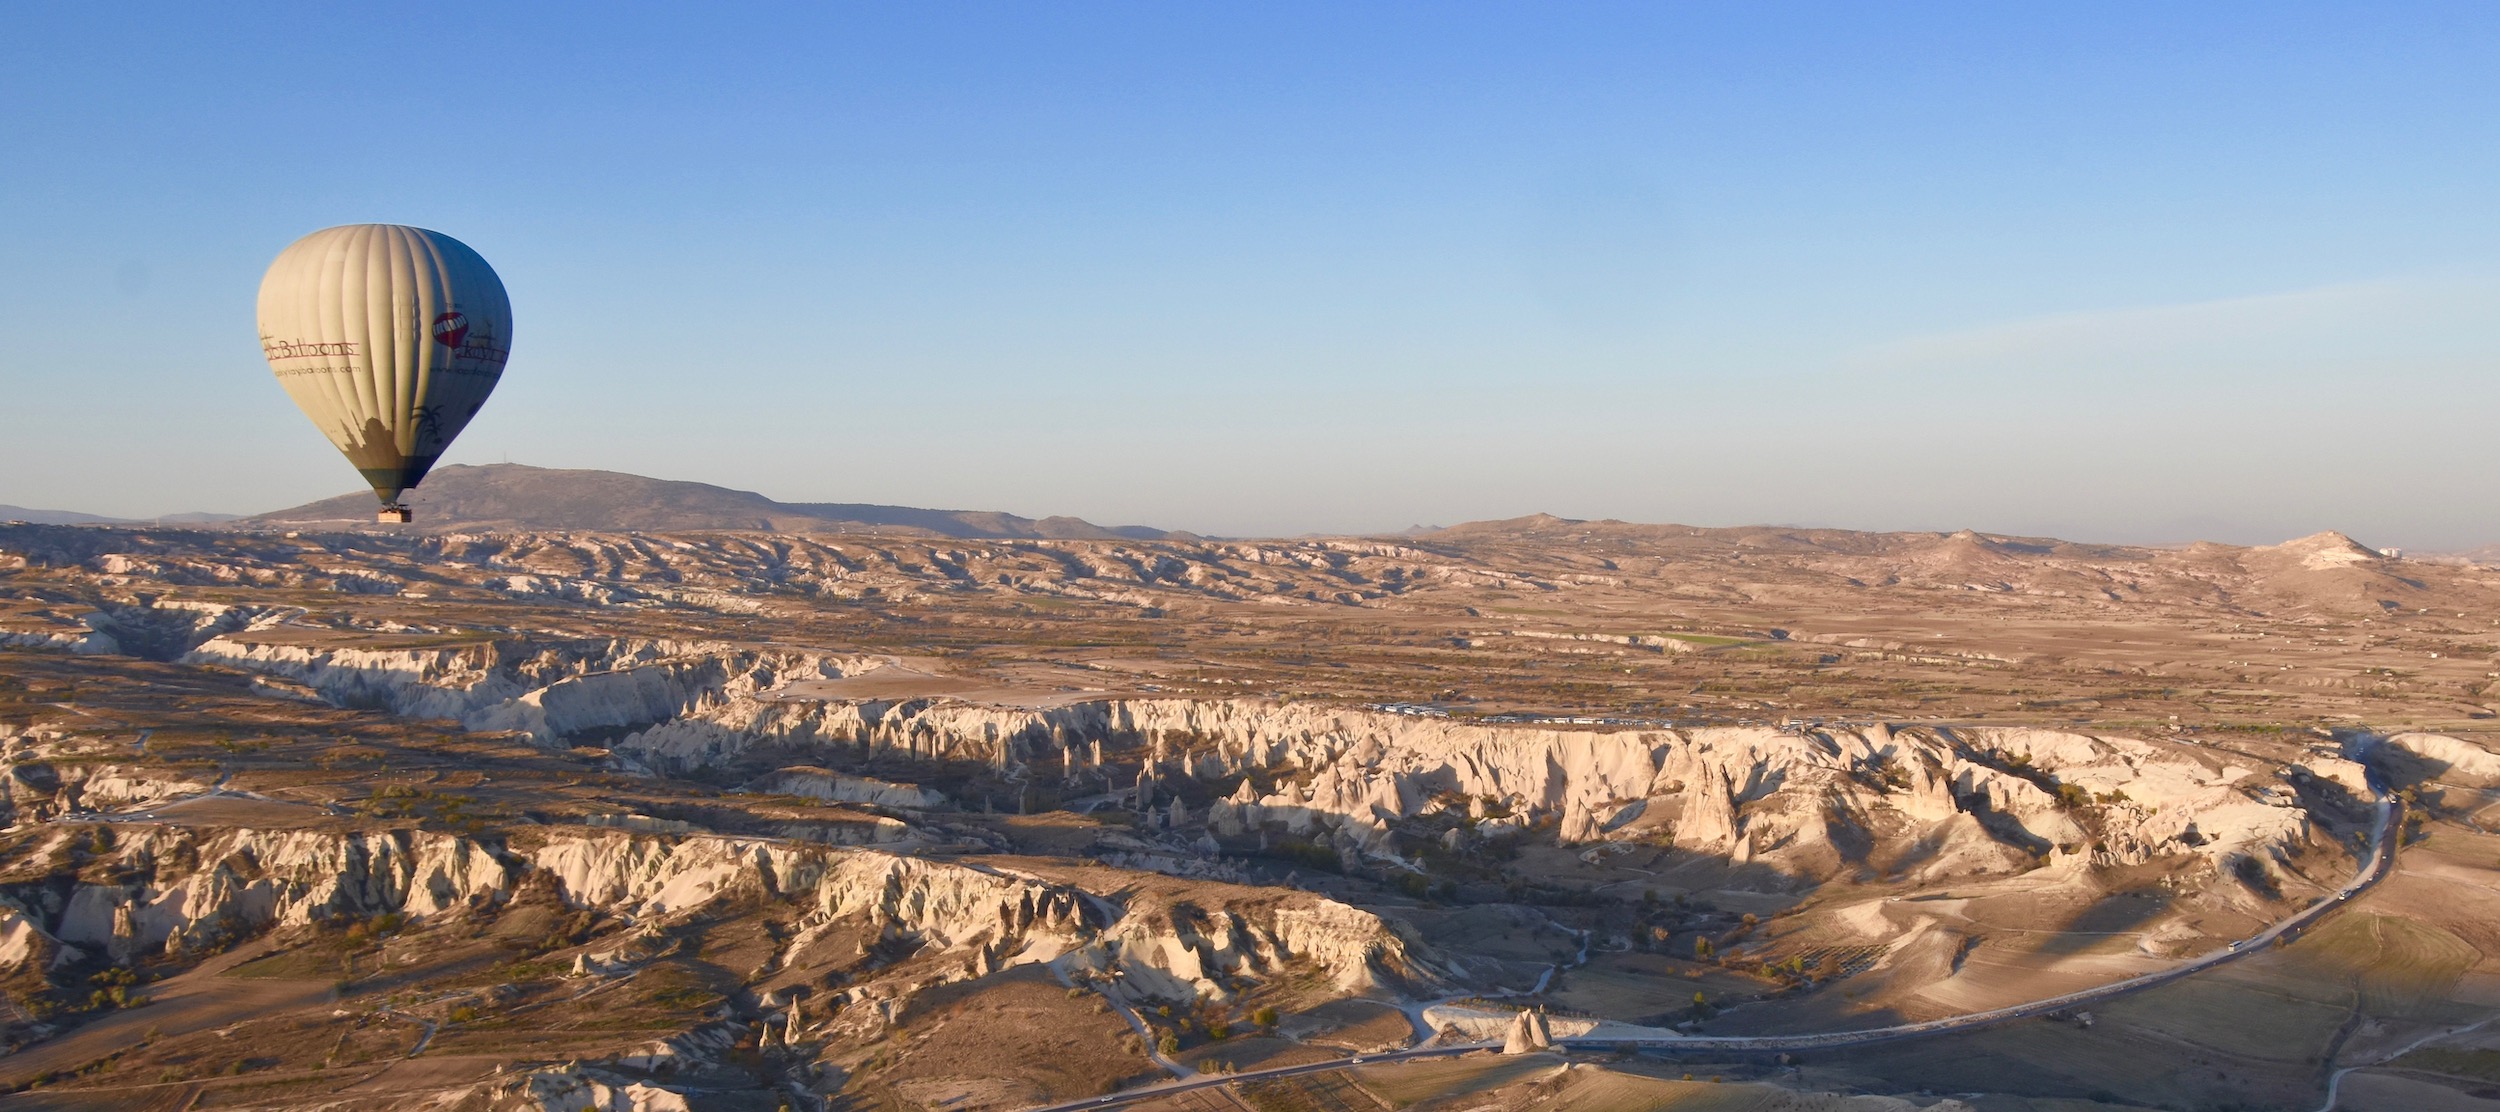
point(389, 338)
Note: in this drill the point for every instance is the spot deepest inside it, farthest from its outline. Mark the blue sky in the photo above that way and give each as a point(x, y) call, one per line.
point(2118, 272)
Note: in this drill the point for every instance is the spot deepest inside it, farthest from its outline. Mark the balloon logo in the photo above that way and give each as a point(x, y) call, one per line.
point(450, 329)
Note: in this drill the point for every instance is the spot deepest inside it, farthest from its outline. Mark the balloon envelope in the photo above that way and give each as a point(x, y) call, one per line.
point(389, 338)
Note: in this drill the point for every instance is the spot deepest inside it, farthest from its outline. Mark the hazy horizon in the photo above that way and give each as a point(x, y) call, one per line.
point(2124, 274)
point(2154, 540)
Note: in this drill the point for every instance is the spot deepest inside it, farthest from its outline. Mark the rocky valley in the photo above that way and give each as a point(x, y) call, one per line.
point(299, 815)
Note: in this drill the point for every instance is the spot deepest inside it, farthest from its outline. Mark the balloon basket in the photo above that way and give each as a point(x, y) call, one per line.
point(395, 515)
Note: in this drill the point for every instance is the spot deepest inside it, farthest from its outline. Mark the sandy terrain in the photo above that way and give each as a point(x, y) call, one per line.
point(528, 818)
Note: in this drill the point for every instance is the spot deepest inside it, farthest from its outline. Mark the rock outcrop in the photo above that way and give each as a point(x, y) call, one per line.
point(546, 690)
point(1746, 793)
point(576, 1088)
point(1179, 944)
point(2449, 759)
point(823, 784)
point(188, 889)
point(35, 786)
point(1528, 1034)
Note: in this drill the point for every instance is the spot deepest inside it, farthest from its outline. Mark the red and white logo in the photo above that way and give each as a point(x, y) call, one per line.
point(450, 329)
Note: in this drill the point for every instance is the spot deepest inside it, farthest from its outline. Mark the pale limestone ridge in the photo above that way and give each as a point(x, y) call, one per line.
point(189, 890)
point(195, 889)
point(1183, 949)
point(34, 789)
point(1741, 792)
point(1745, 792)
point(577, 1088)
point(2455, 760)
point(2002, 800)
point(544, 690)
point(1346, 774)
point(832, 787)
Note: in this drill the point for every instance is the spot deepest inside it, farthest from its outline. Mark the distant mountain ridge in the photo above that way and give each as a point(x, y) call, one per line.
point(73, 517)
point(509, 496)
point(516, 496)
point(53, 517)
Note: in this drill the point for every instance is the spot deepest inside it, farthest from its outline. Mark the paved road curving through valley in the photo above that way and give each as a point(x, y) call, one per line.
point(2382, 861)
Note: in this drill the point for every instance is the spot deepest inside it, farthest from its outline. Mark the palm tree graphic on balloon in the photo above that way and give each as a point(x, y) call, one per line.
point(429, 424)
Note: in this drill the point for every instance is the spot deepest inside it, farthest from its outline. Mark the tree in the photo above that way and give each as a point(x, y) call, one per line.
point(1265, 1016)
